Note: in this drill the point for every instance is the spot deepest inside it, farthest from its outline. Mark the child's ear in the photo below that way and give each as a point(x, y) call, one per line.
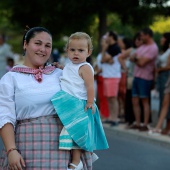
point(90, 52)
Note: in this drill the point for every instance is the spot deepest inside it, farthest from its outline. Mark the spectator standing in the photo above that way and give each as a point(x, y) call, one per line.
point(164, 110)
point(102, 100)
point(125, 44)
point(129, 67)
point(111, 71)
point(144, 59)
point(163, 73)
point(5, 51)
point(162, 69)
point(129, 114)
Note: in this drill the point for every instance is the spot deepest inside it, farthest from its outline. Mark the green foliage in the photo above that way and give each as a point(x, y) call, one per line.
point(11, 32)
point(63, 17)
point(161, 24)
point(157, 37)
point(115, 24)
point(70, 16)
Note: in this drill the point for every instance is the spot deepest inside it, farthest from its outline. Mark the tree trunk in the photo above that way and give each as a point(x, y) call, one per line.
point(102, 25)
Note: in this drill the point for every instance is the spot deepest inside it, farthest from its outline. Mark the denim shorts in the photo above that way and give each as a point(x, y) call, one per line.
point(141, 88)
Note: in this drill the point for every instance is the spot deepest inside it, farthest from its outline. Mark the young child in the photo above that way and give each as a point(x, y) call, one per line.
point(75, 104)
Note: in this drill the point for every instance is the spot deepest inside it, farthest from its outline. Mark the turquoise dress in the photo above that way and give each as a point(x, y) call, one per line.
point(85, 130)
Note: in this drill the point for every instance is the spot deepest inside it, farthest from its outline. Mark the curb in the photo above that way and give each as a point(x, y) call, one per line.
point(121, 130)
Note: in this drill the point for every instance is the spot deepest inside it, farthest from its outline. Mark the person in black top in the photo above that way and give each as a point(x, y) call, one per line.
point(113, 48)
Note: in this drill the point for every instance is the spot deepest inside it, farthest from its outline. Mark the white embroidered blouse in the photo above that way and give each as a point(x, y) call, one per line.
point(22, 97)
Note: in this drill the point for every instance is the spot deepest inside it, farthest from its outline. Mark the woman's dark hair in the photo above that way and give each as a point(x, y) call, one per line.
point(113, 35)
point(32, 32)
point(166, 35)
point(128, 42)
point(136, 36)
point(147, 31)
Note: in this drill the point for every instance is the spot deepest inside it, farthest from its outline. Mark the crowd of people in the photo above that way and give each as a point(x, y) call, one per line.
point(127, 70)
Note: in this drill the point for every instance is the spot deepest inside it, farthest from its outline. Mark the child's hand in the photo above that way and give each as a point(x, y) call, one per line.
point(90, 106)
point(57, 65)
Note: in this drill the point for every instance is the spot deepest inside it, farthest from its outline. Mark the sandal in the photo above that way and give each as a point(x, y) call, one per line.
point(165, 132)
point(135, 127)
point(155, 132)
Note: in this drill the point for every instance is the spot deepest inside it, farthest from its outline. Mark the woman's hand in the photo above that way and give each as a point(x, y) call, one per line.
point(90, 106)
point(15, 160)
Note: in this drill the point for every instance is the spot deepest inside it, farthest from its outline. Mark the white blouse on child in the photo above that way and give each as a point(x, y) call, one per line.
point(72, 83)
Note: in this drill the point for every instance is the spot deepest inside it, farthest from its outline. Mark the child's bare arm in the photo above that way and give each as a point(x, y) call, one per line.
point(88, 77)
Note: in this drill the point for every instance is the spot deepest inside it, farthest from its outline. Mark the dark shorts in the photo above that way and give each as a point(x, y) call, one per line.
point(141, 88)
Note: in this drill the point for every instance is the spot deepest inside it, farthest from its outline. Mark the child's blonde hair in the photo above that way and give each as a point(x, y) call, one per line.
point(80, 35)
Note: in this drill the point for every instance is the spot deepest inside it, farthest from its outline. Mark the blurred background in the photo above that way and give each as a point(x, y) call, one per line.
point(63, 17)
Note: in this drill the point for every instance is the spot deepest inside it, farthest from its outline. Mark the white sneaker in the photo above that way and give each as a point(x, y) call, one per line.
point(154, 132)
point(94, 157)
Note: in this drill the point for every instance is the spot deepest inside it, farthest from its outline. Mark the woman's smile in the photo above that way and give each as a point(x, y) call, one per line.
point(41, 55)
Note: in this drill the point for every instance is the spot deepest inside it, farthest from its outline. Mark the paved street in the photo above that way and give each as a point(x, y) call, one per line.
point(127, 153)
point(1, 145)
point(131, 150)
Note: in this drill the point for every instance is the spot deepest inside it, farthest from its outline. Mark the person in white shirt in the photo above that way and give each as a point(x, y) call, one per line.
point(162, 78)
point(102, 100)
point(111, 72)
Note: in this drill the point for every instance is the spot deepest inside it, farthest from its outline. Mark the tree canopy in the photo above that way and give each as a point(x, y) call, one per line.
point(63, 17)
point(73, 15)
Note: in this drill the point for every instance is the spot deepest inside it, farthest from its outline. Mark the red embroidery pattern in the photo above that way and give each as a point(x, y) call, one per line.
point(36, 72)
